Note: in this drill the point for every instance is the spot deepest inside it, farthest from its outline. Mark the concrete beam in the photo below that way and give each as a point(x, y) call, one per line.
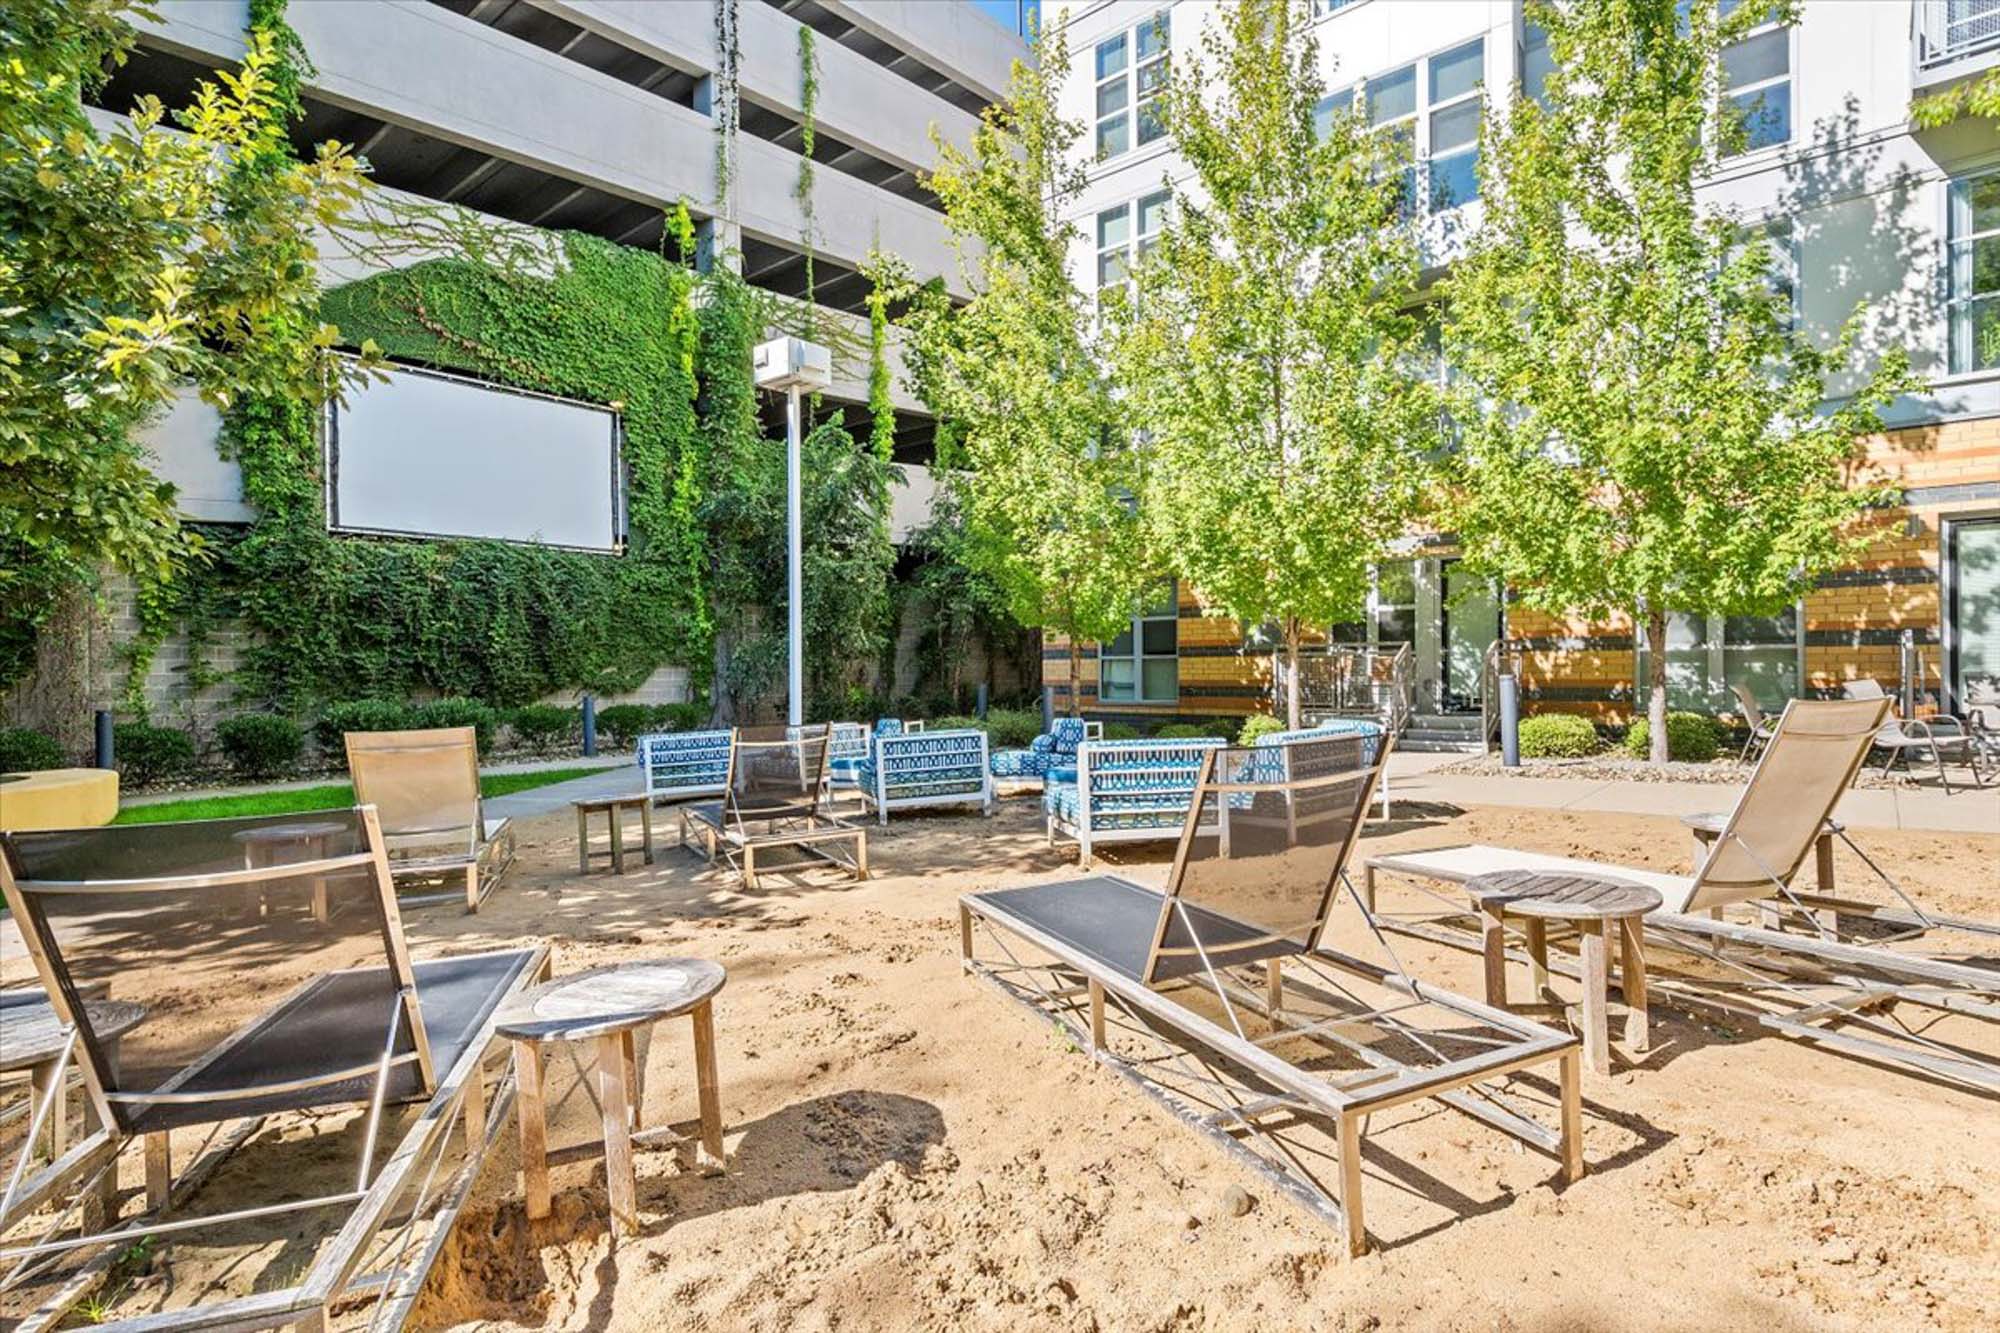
point(859, 101)
point(433, 71)
point(954, 39)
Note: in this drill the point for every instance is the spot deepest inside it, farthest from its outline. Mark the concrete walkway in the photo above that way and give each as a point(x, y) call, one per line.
point(621, 780)
point(1412, 777)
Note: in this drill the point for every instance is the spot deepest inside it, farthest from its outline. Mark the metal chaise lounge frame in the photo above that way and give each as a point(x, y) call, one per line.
point(783, 797)
point(1120, 966)
point(376, 1255)
point(1937, 735)
point(424, 786)
point(1798, 972)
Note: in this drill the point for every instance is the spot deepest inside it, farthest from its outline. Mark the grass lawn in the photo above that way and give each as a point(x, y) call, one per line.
point(331, 796)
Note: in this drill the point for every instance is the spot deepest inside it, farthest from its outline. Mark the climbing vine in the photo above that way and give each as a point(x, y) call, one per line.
point(726, 105)
point(808, 137)
point(881, 409)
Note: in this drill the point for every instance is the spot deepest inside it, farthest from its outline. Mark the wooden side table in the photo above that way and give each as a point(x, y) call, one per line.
point(1707, 828)
point(262, 847)
point(613, 808)
point(608, 1005)
point(1595, 905)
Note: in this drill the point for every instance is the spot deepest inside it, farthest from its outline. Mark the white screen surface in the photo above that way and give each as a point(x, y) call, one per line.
point(429, 455)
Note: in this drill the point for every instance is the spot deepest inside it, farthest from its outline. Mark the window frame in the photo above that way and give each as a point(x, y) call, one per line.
point(1727, 97)
point(1420, 173)
point(1128, 79)
point(1136, 243)
point(1139, 657)
point(1960, 251)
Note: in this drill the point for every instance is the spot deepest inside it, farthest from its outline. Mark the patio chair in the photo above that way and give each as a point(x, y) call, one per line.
point(852, 744)
point(1222, 997)
point(1054, 749)
point(1122, 791)
point(280, 988)
point(1938, 736)
point(1760, 726)
point(675, 765)
point(424, 786)
point(926, 768)
point(1826, 969)
point(773, 796)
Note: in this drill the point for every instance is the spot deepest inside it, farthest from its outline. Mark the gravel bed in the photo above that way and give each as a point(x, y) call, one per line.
point(1623, 768)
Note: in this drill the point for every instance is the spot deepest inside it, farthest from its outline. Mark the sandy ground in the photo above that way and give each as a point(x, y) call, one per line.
point(910, 1149)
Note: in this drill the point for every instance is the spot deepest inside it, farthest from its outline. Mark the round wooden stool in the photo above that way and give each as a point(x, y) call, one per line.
point(608, 1005)
point(1594, 904)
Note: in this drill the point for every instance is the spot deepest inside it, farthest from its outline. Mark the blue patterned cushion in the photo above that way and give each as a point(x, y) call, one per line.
point(1022, 763)
point(1044, 744)
point(1068, 733)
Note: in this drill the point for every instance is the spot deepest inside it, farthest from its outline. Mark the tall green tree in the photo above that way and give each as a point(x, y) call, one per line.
point(1039, 475)
point(1270, 357)
point(132, 261)
point(1644, 430)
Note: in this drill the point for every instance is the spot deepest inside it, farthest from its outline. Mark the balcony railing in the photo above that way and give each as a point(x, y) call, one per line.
point(1353, 680)
point(1950, 30)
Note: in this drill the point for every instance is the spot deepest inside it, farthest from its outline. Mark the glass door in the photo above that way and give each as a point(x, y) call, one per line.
point(1471, 615)
point(1975, 618)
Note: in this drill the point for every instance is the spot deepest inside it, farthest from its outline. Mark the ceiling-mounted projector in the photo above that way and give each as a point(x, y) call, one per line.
point(792, 363)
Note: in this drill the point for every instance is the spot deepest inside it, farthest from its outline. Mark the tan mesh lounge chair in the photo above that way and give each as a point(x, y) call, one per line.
point(1223, 998)
point(273, 994)
point(773, 798)
point(1753, 718)
point(1827, 969)
point(1939, 737)
point(425, 786)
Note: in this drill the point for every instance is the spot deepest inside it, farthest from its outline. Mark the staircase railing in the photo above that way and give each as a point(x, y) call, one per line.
point(1358, 680)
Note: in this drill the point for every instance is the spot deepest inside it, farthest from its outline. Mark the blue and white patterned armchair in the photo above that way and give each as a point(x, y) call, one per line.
point(1123, 791)
point(1053, 749)
point(926, 768)
point(685, 763)
point(1370, 732)
point(852, 743)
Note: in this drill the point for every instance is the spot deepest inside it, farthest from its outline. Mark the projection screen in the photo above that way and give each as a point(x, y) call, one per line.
point(424, 454)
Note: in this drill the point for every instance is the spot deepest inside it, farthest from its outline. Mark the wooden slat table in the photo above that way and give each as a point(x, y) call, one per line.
point(32, 1038)
point(265, 846)
point(613, 808)
point(608, 1005)
point(1595, 905)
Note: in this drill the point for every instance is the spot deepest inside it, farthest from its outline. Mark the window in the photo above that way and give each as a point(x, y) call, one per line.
point(1131, 76)
point(1784, 268)
point(1536, 62)
point(1142, 665)
point(1440, 133)
point(1328, 108)
point(1973, 271)
point(1119, 246)
point(1708, 656)
point(1757, 85)
point(1395, 603)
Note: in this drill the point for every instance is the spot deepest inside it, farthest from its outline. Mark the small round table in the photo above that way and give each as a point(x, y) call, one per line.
point(609, 1004)
point(1707, 828)
point(1593, 904)
point(613, 808)
point(262, 845)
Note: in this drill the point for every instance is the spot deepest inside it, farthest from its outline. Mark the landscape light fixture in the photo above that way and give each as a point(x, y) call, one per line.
point(796, 366)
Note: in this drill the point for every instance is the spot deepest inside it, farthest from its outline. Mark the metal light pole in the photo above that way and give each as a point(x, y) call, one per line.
point(796, 366)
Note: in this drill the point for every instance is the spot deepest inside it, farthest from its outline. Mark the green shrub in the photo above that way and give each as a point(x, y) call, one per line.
point(147, 753)
point(25, 751)
point(1191, 731)
point(956, 722)
point(357, 715)
point(1263, 724)
point(624, 724)
point(454, 712)
point(543, 727)
point(260, 745)
point(1012, 728)
point(1557, 736)
point(1120, 731)
point(689, 716)
point(1690, 738)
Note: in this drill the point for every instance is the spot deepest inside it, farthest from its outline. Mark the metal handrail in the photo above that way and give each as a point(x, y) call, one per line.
point(1357, 680)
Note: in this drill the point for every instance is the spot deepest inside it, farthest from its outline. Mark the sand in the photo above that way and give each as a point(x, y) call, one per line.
point(912, 1150)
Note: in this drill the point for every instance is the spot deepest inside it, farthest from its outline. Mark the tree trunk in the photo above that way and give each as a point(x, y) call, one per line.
point(1656, 687)
point(1292, 700)
point(1075, 677)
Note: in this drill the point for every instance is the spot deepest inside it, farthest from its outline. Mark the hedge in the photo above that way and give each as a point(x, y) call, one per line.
point(1690, 738)
point(1558, 736)
point(25, 751)
point(147, 753)
point(261, 745)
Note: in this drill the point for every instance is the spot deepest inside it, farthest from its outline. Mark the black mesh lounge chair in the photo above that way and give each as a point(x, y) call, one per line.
point(1882, 977)
point(773, 798)
point(1222, 998)
point(269, 956)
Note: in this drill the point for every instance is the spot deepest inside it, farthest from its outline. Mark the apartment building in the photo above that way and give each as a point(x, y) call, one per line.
point(1864, 210)
point(600, 116)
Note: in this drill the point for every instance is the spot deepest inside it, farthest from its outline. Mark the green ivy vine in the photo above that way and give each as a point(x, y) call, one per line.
point(808, 137)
